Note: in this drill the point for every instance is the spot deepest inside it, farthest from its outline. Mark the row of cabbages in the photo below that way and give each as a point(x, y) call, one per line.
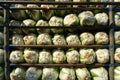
point(85, 38)
point(36, 73)
point(44, 13)
point(85, 18)
point(56, 18)
point(72, 56)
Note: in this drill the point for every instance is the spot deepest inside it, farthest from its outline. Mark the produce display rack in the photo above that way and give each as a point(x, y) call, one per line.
point(111, 28)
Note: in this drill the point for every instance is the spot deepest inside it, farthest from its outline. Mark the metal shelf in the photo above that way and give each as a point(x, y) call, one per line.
point(60, 46)
point(62, 65)
point(110, 29)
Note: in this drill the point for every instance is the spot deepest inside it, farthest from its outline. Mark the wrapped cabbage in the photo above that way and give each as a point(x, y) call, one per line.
point(82, 74)
point(87, 38)
point(31, 56)
point(117, 37)
point(15, 23)
point(18, 14)
point(42, 23)
point(30, 39)
point(59, 56)
point(34, 14)
point(73, 40)
point(99, 73)
point(17, 74)
point(1, 56)
point(102, 19)
point(1, 20)
point(33, 73)
point(16, 56)
point(101, 38)
point(102, 55)
point(44, 39)
point(72, 56)
point(2, 73)
point(59, 40)
point(117, 55)
point(17, 39)
point(117, 73)
point(27, 23)
point(50, 74)
point(45, 57)
point(86, 18)
point(56, 21)
point(71, 19)
point(47, 14)
point(117, 18)
point(67, 74)
point(87, 56)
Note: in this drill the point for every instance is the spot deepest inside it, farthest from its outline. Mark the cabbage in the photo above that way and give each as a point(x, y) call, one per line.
point(73, 40)
point(67, 74)
point(116, 37)
point(50, 74)
point(117, 55)
point(59, 40)
point(47, 14)
point(87, 38)
point(72, 56)
point(33, 73)
point(27, 23)
point(34, 14)
point(99, 73)
point(17, 74)
point(44, 39)
point(18, 14)
point(101, 18)
point(102, 55)
point(31, 56)
point(101, 38)
point(42, 23)
point(56, 21)
point(17, 39)
point(16, 56)
point(83, 74)
point(86, 18)
point(45, 57)
point(59, 56)
point(71, 19)
point(30, 39)
point(87, 56)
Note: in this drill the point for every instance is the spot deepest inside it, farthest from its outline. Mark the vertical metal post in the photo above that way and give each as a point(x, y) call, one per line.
point(111, 37)
point(6, 42)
